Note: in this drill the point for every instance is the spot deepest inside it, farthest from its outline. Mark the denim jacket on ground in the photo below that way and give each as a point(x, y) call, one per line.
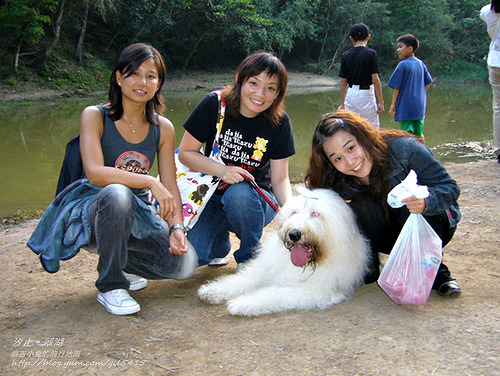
point(65, 228)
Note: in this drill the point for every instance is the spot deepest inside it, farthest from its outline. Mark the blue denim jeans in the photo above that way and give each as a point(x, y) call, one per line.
point(111, 213)
point(240, 210)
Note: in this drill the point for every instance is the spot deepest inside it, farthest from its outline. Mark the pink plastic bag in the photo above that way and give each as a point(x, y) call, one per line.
point(411, 268)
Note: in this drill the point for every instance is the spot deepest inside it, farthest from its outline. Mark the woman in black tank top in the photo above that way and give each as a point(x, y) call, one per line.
point(119, 142)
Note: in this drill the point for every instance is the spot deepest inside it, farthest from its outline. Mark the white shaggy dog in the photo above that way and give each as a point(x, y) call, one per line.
point(317, 259)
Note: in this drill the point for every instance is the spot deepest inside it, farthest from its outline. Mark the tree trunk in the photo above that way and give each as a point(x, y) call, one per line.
point(147, 20)
point(327, 32)
point(79, 47)
point(193, 50)
point(16, 58)
point(57, 30)
point(323, 44)
point(338, 50)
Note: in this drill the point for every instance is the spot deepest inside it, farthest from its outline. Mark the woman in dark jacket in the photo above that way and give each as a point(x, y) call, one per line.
point(362, 164)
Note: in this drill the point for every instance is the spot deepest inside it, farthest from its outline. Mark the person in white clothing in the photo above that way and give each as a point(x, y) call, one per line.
point(360, 86)
point(491, 14)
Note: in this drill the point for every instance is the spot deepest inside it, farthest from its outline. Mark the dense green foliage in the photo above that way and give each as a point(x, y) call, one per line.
point(68, 42)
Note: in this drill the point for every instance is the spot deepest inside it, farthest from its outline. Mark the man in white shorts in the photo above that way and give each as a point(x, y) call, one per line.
point(360, 87)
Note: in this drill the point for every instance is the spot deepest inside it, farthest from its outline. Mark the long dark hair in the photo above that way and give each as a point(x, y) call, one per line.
point(131, 58)
point(322, 174)
point(495, 5)
point(253, 65)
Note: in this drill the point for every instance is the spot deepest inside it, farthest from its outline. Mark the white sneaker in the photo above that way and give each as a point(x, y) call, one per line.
point(118, 302)
point(219, 261)
point(136, 282)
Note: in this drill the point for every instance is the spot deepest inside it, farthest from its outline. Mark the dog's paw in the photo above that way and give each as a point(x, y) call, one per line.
point(238, 307)
point(211, 293)
point(245, 305)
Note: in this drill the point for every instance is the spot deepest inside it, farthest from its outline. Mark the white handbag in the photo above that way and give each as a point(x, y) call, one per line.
point(196, 188)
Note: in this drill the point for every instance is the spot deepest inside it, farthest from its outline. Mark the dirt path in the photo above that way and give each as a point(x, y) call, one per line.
point(52, 324)
point(298, 82)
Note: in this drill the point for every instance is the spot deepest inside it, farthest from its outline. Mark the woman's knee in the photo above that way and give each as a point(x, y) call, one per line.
point(240, 197)
point(188, 265)
point(118, 197)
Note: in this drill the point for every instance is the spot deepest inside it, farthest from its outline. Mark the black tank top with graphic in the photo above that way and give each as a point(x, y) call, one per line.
point(120, 153)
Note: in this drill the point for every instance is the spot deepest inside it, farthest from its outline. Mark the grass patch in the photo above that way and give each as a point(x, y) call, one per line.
point(20, 216)
point(89, 75)
point(460, 71)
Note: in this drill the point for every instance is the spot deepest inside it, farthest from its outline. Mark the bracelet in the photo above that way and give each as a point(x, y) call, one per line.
point(175, 227)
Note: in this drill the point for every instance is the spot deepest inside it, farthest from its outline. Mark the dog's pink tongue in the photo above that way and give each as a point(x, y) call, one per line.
point(299, 255)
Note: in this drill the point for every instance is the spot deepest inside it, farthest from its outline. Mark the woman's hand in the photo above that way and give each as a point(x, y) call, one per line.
point(165, 199)
point(235, 175)
point(178, 242)
point(415, 205)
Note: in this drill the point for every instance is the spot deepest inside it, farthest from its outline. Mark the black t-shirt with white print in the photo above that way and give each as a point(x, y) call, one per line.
point(248, 143)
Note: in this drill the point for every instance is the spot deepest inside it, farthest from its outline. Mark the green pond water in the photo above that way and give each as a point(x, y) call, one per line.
point(34, 134)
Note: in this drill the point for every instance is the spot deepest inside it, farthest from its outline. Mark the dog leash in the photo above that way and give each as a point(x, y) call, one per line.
point(262, 193)
point(259, 190)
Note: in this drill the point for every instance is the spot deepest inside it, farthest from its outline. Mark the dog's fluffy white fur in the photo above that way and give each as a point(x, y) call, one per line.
point(324, 226)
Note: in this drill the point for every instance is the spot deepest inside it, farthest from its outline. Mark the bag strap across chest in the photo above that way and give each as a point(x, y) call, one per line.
point(221, 113)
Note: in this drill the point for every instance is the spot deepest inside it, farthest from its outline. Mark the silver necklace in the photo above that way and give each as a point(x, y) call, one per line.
point(129, 123)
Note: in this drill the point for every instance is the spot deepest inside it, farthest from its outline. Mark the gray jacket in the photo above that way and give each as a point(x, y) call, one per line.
point(407, 154)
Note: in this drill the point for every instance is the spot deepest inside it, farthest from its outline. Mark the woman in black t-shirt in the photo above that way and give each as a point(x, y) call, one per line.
point(255, 144)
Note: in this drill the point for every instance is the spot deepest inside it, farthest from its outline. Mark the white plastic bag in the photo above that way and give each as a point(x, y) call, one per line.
point(405, 189)
point(410, 270)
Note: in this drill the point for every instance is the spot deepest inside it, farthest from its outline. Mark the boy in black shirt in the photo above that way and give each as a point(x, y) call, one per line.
point(359, 70)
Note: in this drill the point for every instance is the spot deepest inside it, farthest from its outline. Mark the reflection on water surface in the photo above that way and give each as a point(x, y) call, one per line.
point(34, 134)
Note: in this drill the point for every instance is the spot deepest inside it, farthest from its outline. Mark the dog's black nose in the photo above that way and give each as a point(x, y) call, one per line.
point(295, 235)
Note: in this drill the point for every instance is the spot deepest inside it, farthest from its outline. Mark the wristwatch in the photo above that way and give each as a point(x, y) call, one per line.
point(175, 227)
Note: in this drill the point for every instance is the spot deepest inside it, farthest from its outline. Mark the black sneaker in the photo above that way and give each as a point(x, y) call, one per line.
point(373, 270)
point(449, 288)
point(444, 284)
point(371, 276)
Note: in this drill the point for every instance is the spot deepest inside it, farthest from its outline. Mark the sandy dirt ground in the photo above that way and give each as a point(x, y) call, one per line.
point(51, 324)
point(298, 82)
